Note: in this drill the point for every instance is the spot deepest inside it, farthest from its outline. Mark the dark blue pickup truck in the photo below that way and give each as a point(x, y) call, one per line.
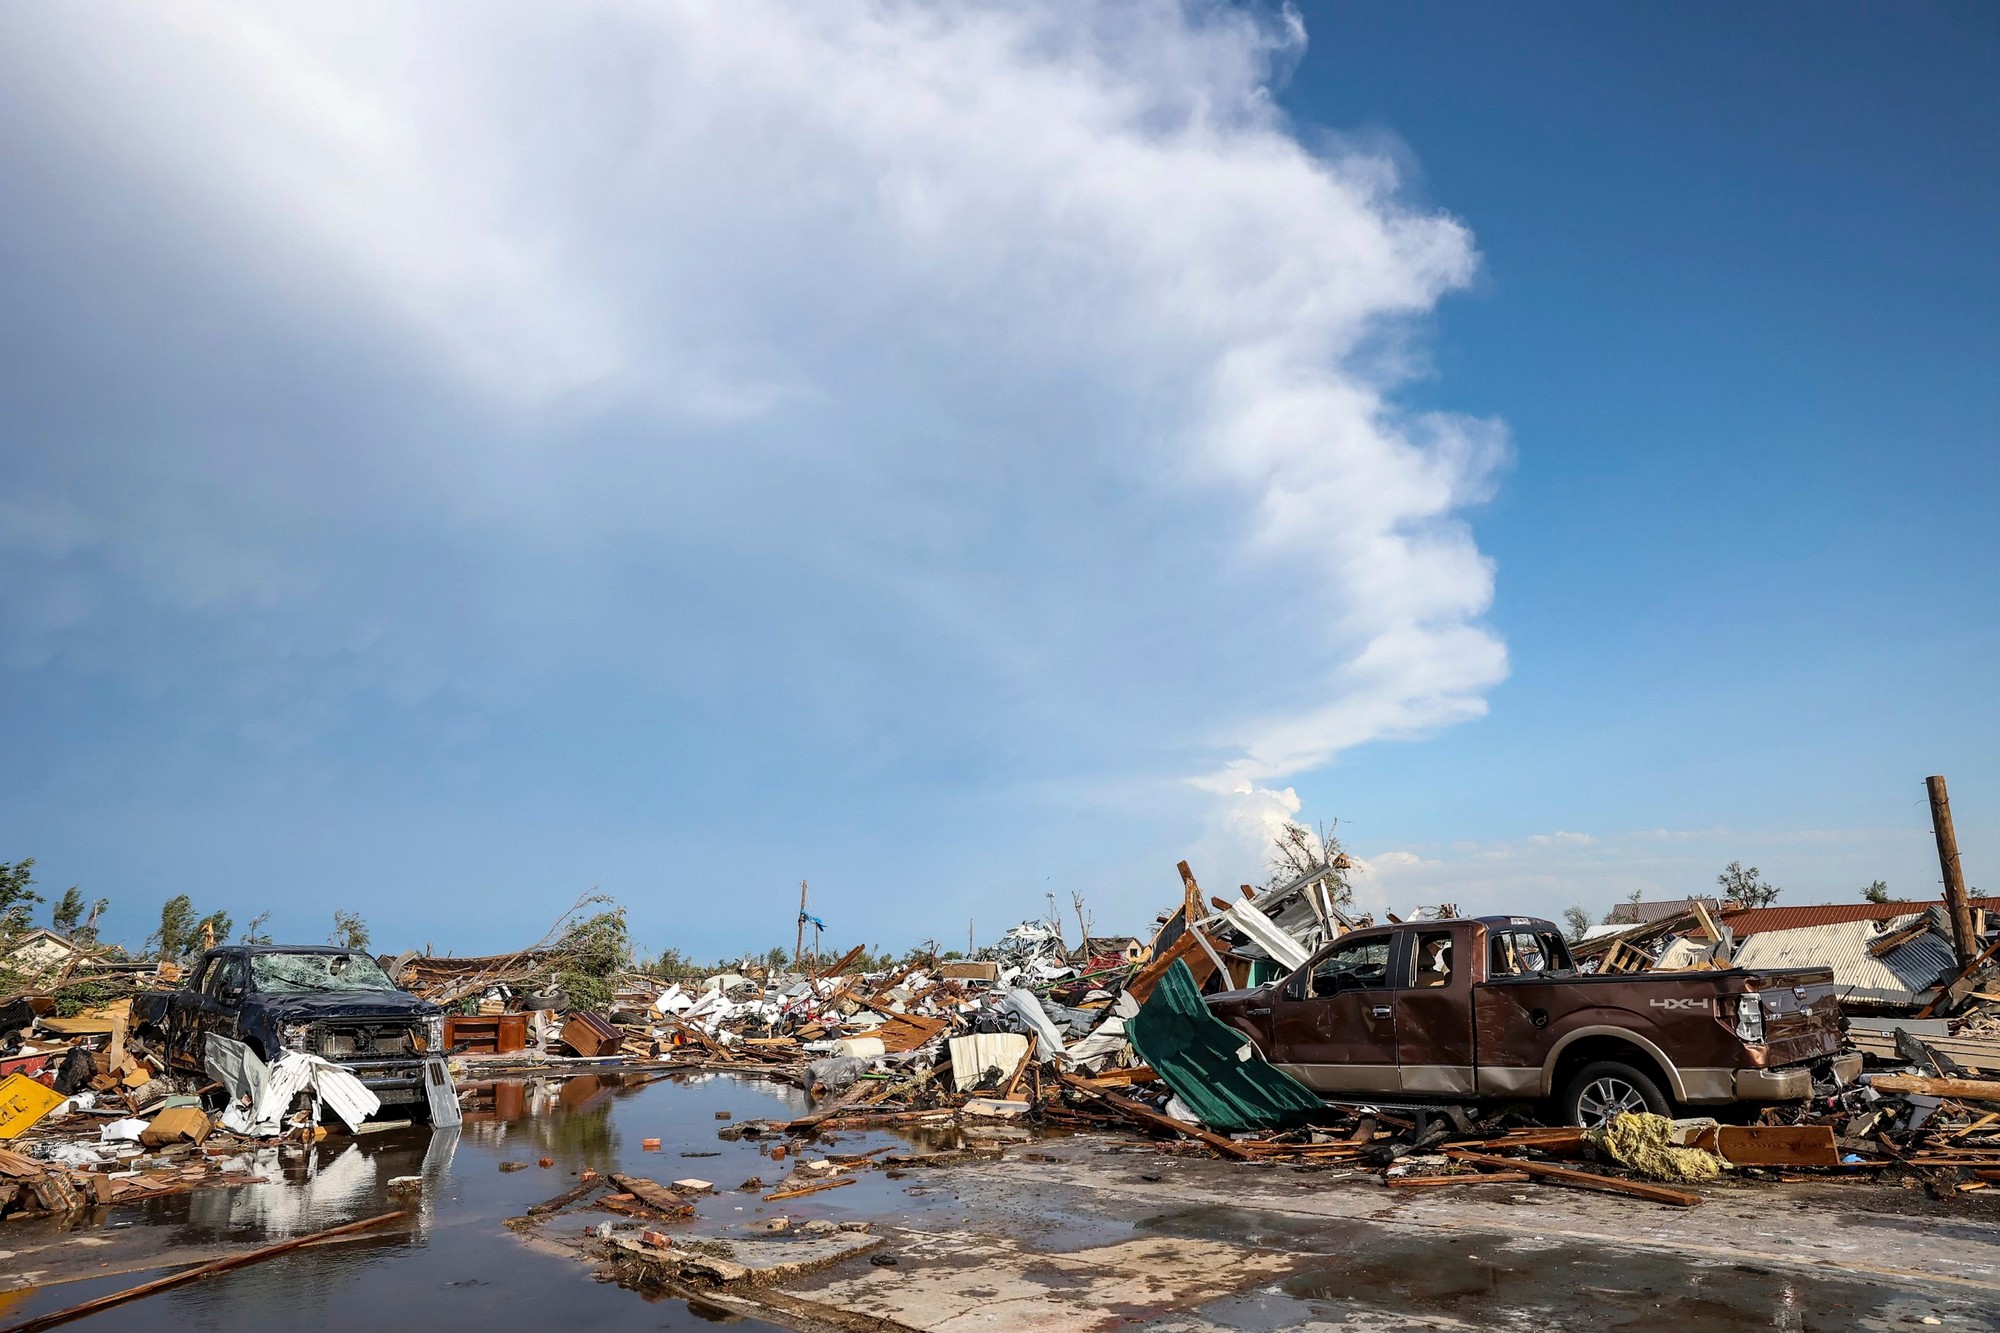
point(335, 1003)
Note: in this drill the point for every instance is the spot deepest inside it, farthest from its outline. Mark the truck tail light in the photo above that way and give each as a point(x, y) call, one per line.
point(1750, 1019)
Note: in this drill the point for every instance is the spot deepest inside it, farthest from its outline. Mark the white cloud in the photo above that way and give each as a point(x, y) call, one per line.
point(1017, 358)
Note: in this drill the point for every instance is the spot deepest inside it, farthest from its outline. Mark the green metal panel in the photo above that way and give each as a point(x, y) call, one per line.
point(1196, 1054)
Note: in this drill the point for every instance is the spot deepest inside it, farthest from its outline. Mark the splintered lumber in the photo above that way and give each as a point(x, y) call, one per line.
point(1555, 1141)
point(1964, 1089)
point(649, 1192)
point(1027, 1058)
point(19, 1165)
point(865, 1119)
point(855, 1096)
point(910, 1084)
point(1563, 1175)
point(1470, 1178)
point(1200, 953)
point(899, 1033)
point(1117, 1078)
point(1146, 1115)
point(810, 1189)
point(198, 1272)
point(845, 961)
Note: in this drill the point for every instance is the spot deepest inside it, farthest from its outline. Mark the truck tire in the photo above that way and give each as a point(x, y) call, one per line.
point(1605, 1088)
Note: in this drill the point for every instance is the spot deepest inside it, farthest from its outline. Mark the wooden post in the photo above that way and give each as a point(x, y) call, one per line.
point(1963, 941)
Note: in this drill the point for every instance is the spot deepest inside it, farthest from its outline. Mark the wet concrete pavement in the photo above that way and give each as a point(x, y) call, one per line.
point(1076, 1232)
point(1246, 1248)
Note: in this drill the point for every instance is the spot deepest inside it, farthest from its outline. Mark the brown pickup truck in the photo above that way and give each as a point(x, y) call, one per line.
point(1491, 1009)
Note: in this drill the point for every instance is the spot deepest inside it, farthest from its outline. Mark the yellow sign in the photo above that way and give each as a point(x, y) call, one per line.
point(22, 1102)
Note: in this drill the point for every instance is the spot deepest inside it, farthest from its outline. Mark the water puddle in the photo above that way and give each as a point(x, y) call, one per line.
point(455, 1265)
point(1487, 1279)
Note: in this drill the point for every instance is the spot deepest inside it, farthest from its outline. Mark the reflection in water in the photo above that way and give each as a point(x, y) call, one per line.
point(306, 1190)
point(569, 1120)
point(455, 1265)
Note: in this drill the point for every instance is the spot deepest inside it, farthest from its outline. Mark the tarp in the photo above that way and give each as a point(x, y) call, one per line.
point(1211, 1066)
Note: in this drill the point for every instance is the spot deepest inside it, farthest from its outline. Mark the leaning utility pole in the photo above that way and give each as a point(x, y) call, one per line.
point(1963, 942)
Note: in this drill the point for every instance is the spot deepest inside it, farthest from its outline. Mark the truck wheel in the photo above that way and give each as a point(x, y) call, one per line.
point(1607, 1088)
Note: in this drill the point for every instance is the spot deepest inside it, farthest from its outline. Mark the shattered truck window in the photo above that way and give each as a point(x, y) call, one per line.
point(305, 972)
point(1363, 965)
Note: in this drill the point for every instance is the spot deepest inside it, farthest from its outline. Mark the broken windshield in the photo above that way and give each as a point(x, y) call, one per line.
point(283, 973)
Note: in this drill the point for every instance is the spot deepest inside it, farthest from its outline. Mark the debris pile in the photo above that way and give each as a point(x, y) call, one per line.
point(1111, 1035)
point(1889, 958)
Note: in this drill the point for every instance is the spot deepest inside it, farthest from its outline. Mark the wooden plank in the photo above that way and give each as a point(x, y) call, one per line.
point(809, 1189)
point(842, 963)
point(1965, 1089)
point(900, 1033)
point(567, 1197)
point(1708, 926)
point(1147, 977)
point(649, 1192)
point(1556, 1141)
point(1563, 1175)
point(1199, 954)
point(1027, 1058)
point(1476, 1178)
point(1776, 1145)
point(1118, 1078)
point(858, 1094)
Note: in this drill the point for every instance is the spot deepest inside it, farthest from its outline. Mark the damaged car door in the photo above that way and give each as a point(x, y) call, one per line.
point(207, 1004)
point(1333, 1022)
point(1434, 1039)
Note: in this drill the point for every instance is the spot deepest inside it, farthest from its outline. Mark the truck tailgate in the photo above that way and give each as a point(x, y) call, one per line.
point(1801, 1014)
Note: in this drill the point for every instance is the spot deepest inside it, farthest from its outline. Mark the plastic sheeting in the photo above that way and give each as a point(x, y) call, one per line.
point(1108, 1046)
point(1210, 1065)
point(837, 1073)
point(1023, 1005)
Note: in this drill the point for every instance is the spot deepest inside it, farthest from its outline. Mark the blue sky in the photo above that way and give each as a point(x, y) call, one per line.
point(959, 455)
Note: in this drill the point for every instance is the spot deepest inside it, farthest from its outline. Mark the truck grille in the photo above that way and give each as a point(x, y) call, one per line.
point(360, 1040)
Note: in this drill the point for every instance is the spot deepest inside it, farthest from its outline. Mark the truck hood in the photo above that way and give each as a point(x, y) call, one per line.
point(360, 1004)
point(1230, 996)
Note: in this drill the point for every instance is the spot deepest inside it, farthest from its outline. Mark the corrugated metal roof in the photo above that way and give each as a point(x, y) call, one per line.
point(1755, 920)
point(1645, 913)
point(1903, 976)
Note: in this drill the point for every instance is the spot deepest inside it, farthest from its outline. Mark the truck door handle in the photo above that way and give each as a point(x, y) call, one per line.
point(1380, 1011)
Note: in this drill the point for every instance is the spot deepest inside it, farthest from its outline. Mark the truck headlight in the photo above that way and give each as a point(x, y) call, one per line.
point(1750, 1020)
point(294, 1035)
point(429, 1034)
